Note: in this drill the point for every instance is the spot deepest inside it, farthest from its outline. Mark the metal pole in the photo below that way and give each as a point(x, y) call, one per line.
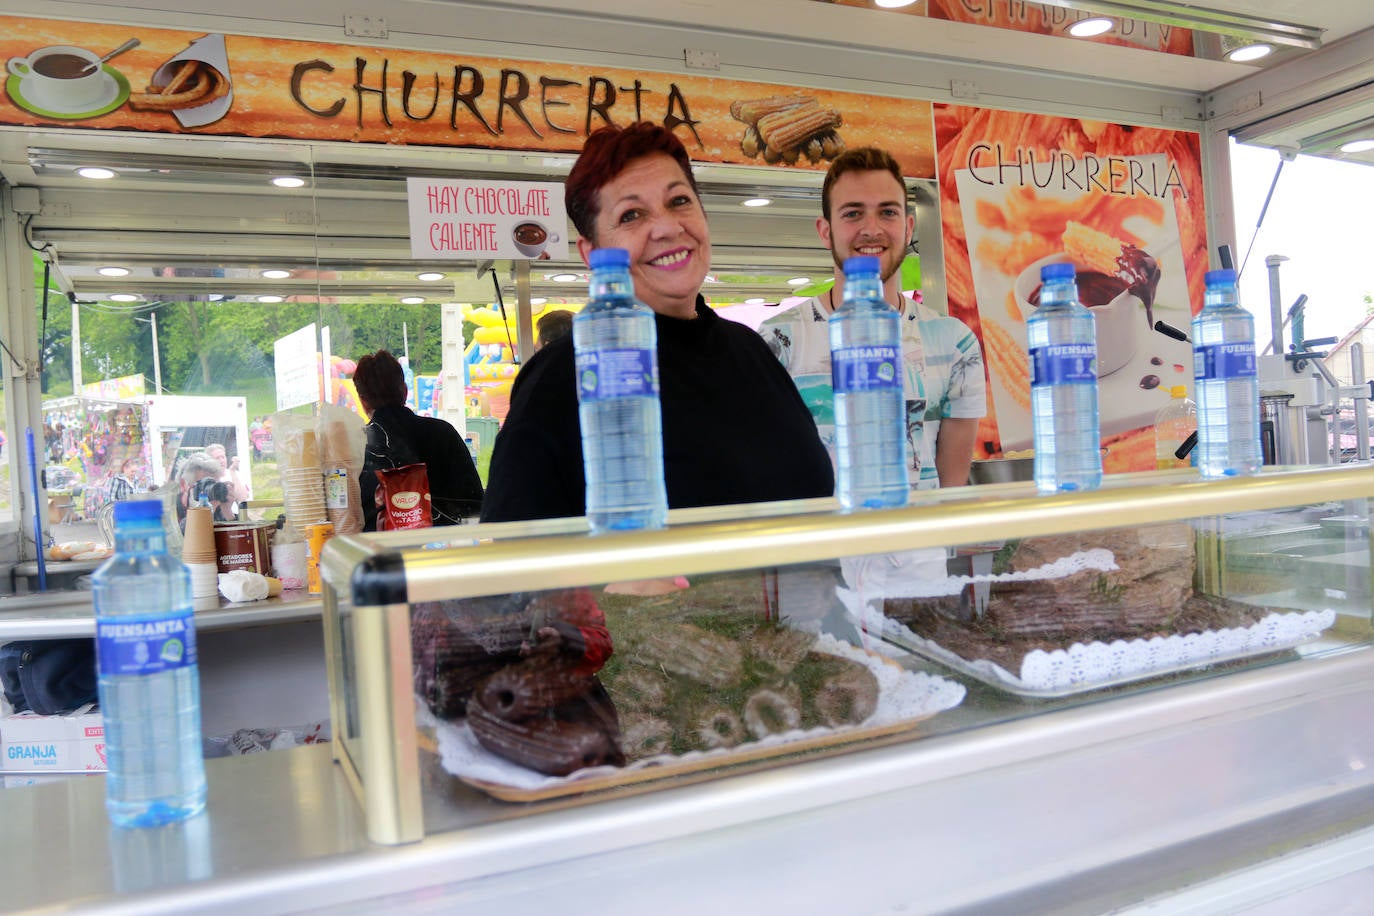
point(1357, 379)
point(76, 350)
point(1275, 303)
point(523, 310)
point(157, 359)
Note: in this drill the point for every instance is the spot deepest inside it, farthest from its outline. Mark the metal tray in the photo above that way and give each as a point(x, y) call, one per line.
point(945, 695)
point(985, 671)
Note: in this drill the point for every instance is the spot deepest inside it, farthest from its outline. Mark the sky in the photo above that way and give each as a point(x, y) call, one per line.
point(1322, 218)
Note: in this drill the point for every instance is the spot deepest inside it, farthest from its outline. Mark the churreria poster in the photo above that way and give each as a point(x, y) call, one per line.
point(1124, 205)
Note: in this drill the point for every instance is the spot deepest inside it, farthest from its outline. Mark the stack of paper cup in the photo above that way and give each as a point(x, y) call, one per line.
point(198, 552)
point(303, 492)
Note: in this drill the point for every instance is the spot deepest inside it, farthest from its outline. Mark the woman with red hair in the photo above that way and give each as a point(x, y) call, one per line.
point(735, 430)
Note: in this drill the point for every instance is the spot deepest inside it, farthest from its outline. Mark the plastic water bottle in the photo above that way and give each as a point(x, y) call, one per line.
point(1174, 423)
point(149, 682)
point(1062, 339)
point(1227, 387)
point(870, 406)
point(616, 347)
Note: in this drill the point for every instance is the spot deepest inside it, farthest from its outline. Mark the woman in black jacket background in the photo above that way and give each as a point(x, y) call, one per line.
point(396, 437)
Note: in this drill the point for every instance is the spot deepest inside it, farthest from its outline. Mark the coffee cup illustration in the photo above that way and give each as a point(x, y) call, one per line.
point(531, 238)
point(57, 78)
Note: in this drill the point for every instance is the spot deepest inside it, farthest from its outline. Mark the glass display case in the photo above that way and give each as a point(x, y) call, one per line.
point(476, 667)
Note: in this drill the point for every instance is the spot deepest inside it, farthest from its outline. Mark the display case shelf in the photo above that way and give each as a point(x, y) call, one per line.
point(1178, 558)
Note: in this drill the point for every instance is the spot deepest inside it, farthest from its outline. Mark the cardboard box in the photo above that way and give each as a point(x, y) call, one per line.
point(32, 742)
point(14, 782)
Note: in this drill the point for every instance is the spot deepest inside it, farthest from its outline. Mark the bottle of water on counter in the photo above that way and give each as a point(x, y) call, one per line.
point(1174, 423)
point(870, 405)
point(149, 682)
point(616, 346)
point(1062, 339)
point(1226, 384)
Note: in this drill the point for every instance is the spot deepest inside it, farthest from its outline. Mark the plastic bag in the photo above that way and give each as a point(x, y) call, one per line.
point(343, 443)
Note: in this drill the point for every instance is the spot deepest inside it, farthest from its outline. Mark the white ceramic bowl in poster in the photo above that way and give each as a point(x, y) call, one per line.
point(1120, 323)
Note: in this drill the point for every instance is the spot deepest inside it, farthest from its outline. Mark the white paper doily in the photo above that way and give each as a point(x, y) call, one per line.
point(902, 695)
point(1086, 666)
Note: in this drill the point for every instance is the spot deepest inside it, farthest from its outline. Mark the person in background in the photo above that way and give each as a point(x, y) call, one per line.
point(122, 485)
point(734, 428)
point(864, 211)
point(196, 476)
point(551, 326)
point(230, 474)
point(396, 437)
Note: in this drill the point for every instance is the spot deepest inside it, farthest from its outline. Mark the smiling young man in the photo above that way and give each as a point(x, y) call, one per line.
point(864, 212)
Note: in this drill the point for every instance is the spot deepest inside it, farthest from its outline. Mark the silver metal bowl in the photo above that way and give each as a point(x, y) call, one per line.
point(1002, 470)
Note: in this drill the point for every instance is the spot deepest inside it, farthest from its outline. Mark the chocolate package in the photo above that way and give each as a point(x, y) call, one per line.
point(403, 498)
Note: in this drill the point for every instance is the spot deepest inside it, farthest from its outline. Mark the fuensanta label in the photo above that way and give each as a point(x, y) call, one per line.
point(622, 373)
point(1215, 362)
point(146, 645)
point(855, 369)
point(1060, 364)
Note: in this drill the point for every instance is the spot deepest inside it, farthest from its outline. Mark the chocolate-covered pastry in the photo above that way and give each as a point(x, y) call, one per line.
point(532, 686)
point(582, 733)
point(456, 645)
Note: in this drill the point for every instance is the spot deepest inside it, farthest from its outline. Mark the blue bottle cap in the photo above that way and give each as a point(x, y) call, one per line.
point(1056, 272)
point(861, 264)
point(1220, 278)
point(138, 510)
point(608, 257)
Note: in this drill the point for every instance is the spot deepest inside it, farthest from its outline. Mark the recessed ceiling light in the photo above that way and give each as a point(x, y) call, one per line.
point(892, 4)
point(799, 281)
point(564, 278)
point(1087, 28)
point(113, 271)
point(276, 274)
point(124, 297)
point(412, 300)
point(757, 300)
point(93, 172)
point(269, 299)
point(430, 276)
point(538, 300)
point(1357, 146)
point(1249, 52)
point(288, 181)
point(756, 202)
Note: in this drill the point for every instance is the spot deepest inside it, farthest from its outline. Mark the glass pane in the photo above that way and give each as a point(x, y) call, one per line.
point(560, 694)
point(172, 282)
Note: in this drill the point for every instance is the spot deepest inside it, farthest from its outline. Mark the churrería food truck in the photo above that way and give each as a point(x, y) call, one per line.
point(1145, 695)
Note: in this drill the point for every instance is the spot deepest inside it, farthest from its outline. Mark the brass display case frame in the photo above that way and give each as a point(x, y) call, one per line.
point(371, 580)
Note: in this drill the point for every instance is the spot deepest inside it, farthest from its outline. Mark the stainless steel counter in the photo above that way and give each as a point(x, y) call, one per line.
point(63, 614)
point(1080, 810)
point(261, 662)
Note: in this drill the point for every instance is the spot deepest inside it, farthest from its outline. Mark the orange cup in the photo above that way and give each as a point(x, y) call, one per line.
point(315, 537)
